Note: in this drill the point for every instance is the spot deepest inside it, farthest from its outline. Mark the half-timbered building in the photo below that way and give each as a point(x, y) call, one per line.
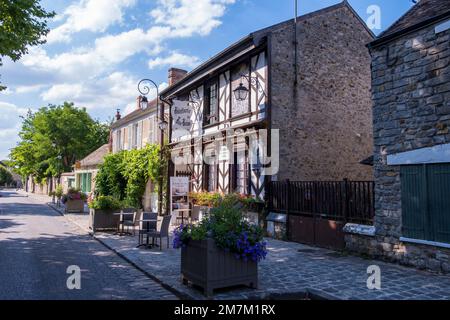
point(291, 101)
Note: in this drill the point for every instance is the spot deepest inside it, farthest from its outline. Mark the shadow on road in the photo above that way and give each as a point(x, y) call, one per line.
point(36, 268)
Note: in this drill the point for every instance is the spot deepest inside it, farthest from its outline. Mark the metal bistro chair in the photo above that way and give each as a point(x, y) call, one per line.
point(147, 226)
point(126, 220)
point(195, 215)
point(163, 231)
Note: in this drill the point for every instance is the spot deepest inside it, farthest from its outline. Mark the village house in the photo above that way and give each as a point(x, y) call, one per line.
point(87, 168)
point(309, 79)
point(67, 181)
point(139, 128)
point(411, 109)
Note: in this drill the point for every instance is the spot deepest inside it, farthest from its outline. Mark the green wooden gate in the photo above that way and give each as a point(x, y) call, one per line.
point(426, 202)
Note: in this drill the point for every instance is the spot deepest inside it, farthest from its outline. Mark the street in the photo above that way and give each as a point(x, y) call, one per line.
point(37, 246)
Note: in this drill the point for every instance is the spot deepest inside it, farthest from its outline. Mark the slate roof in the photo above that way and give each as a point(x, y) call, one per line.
point(421, 12)
point(96, 157)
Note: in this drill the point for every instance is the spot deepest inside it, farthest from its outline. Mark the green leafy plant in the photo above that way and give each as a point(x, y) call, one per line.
point(226, 225)
point(59, 192)
point(22, 24)
point(5, 176)
point(124, 175)
point(105, 203)
point(205, 199)
point(53, 138)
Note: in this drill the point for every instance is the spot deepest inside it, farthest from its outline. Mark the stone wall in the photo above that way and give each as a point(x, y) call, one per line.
point(326, 126)
point(411, 94)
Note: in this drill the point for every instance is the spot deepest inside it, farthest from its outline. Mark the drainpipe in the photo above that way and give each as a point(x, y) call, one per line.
point(295, 45)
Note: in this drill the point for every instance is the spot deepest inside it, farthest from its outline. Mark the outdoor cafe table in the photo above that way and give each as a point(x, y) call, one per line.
point(122, 214)
point(147, 244)
point(182, 211)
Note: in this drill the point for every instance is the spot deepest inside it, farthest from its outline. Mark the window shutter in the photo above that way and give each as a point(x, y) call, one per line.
point(205, 182)
point(414, 201)
point(151, 130)
point(139, 139)
point(438, 177)
point(130, 137)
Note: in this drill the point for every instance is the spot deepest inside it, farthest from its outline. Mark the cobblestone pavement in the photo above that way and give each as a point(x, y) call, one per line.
point(293, 269)
point(37, 245)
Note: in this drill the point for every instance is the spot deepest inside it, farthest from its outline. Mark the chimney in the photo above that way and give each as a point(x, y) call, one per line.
point(176, 75)
point(118, 116)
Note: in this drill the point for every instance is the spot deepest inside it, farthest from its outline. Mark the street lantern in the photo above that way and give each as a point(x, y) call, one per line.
point(144, 89)
point(241, 92)
point(144, 102)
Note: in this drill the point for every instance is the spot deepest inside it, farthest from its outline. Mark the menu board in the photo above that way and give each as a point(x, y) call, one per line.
point(179, 191)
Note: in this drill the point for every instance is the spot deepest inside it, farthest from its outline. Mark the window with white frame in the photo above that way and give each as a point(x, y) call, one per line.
point(152, 130)
point(135, 135)
point(119, 140)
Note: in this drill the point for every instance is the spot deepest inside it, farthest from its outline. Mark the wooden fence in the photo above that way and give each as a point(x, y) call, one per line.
point(346, 201)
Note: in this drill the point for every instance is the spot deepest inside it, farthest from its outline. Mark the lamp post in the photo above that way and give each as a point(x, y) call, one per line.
point(241, 92)
point(144, 88)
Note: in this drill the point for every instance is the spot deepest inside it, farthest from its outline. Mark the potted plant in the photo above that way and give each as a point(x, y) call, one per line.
point(223, 250)
point(59, 192)
point(204, 201)
point(52, 194)
point(74, 200)
point(101, 213)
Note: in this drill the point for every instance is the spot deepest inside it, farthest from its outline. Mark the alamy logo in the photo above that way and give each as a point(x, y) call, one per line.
point(374, 279)
point(74, 280)
point(374, 20)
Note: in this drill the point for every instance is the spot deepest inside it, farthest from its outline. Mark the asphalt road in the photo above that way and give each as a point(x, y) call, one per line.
point(37, 246)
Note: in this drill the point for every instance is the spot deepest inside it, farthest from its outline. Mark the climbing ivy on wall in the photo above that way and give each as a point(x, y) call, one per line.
point(124, 175)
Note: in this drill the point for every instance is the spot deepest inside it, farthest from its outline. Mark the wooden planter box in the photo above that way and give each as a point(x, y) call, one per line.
point(74, 206)
point(103, 220)
point(207, 266)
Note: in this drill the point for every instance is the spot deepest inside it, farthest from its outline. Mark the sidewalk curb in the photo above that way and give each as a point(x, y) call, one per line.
point(177, 293)
point(306, 293)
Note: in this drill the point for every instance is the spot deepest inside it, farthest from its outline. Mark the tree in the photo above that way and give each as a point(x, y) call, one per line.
point(54, 138)
point(23, 23)
point(5, 176)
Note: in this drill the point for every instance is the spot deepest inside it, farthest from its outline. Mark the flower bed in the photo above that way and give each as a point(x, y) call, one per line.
point(74, 201)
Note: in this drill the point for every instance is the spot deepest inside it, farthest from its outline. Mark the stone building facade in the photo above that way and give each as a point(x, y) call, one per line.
point(411, 110)
point(325, 119)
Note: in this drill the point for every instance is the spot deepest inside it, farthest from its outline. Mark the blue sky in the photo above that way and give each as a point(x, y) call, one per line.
point(99, 49)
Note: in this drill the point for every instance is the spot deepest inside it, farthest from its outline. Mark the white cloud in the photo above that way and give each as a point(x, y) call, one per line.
point(91, 15)
point(89, 75)
point(173, 18)
point(107, 52)
point(187, 17)
point(117, 90)
point(175, 59)
point(29, 89)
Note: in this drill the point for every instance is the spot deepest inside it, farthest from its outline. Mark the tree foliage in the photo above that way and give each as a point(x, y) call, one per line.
point(23, 23)
point(124, 175)
point(54, 138)
point(5, 176)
